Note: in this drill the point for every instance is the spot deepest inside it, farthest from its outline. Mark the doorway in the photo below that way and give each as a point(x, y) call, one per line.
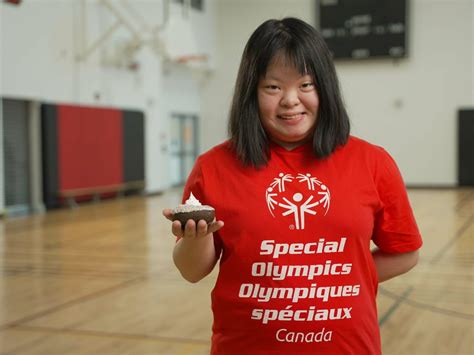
point(16, 157)
point(183, 146)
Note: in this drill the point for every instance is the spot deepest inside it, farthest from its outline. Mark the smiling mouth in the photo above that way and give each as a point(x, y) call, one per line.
point(291, 117)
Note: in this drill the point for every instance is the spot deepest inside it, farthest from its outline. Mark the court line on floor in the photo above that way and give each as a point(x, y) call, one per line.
point(164, 274)
point(115, 335)
point(425, 306)
point(15, 253)
point(170, 275)
point(73, 302)
point(58, 271)
point(453, 240)
point(79, 274)
point(395, 305)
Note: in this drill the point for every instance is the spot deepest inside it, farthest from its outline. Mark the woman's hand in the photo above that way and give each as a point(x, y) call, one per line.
point(194, 253)
point(191, 230)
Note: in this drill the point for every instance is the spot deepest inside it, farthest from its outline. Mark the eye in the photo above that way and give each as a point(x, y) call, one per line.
point(272, 87)
point(307, 85)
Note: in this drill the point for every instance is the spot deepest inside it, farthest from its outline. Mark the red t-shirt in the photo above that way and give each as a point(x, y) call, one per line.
point(296, 274)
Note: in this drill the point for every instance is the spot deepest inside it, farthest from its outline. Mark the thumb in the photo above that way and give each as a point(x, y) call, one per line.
point(168, 213)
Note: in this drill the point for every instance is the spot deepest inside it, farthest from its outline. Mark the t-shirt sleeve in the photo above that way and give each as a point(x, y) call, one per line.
point(395, 228)
point(195, 184)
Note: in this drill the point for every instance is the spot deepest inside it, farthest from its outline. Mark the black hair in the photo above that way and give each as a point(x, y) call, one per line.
point(303, 46)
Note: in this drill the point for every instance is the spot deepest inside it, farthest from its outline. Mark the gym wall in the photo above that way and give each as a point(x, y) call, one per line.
point(90, 149)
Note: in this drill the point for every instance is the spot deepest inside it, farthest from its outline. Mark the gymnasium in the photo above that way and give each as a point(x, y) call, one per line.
point(105, 107)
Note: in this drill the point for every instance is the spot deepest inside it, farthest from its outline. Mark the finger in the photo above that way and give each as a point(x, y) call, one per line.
point(202, 228)
point(176, 229)
point(215, 226)
point(168, 213)
point(190, 229)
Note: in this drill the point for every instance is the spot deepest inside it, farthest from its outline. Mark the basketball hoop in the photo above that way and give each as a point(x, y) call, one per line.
point(197, 64)
point(191, 58)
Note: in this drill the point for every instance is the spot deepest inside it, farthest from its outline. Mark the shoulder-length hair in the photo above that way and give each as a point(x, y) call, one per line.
point(302, 46)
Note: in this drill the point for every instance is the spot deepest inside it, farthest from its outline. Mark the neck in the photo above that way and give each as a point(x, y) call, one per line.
point(290, 145)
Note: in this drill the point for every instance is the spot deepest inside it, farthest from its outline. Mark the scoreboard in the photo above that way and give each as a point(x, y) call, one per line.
point(358, 29)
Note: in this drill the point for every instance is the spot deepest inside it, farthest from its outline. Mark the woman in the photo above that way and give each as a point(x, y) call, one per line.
point(301, 200)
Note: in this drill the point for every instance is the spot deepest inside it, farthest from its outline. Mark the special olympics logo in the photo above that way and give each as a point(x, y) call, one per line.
point(298, 204)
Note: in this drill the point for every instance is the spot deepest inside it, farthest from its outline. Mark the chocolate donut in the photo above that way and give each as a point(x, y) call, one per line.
point(183, 213)
point(193, 209)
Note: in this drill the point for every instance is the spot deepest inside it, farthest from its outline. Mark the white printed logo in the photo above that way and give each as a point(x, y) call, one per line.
point(297, 204)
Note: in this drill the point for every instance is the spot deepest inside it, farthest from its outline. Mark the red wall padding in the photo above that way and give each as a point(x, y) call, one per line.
point(90, 147)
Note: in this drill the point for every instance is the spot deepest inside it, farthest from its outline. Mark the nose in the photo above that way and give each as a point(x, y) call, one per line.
point(290, 99)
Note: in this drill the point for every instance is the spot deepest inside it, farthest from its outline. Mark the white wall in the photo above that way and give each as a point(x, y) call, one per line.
point(41, 41)
point(409, 107)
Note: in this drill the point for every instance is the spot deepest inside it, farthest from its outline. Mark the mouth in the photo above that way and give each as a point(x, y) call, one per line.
point(293, 116)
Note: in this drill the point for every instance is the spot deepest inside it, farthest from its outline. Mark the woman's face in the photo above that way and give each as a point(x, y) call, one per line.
point(288, 104)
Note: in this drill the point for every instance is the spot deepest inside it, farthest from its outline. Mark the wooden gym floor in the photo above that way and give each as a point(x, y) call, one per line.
point(100, 280)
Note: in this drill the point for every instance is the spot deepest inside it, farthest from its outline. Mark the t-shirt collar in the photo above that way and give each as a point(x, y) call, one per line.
point(308, 146)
